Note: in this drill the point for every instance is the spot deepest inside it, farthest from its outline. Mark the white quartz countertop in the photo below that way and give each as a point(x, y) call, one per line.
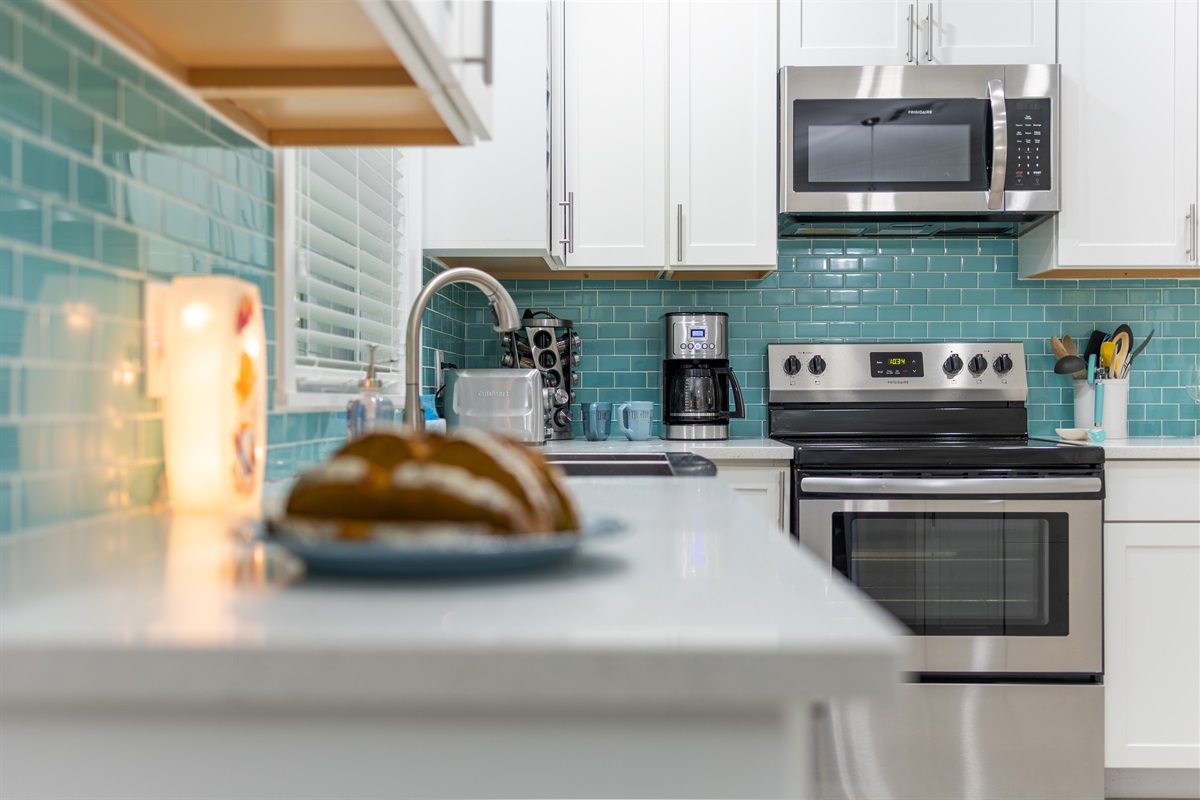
point(1167, 448)
point(699, 602)
point(1152, 448)
point(750, 449)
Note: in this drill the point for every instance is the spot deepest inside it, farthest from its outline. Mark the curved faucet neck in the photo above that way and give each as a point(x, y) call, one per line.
point(501, 304)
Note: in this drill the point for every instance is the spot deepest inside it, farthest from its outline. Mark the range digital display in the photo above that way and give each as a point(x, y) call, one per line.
point(897, 365)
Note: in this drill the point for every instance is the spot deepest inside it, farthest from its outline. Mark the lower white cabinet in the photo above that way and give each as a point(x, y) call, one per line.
point(1152, 615)
point(765, 484)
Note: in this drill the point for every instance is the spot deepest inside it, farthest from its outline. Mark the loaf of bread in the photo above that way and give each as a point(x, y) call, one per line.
point(424, 479)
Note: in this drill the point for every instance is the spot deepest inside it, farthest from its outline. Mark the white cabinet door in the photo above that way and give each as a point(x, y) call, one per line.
point(1152, 645)
point(986, 32)
point(1129, 132)
point(722, 134)
point(463, 213)
point(616, 133)
point(767, 487)
point(847, 33)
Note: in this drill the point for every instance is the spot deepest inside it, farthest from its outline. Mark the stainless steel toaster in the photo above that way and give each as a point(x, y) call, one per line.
point(505, 401)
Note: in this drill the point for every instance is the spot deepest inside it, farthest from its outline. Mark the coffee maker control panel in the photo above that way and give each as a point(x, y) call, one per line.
point(696, 336)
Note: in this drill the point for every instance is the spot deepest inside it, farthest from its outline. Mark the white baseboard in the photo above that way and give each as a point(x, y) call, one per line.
point(1152, 784)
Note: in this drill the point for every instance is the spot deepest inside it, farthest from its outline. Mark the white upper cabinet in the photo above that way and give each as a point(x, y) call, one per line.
point(722, 134)
point(1129, 143)
point(846, 33)
point(613, 124)
point(615, 101)
point(892, 32)
point(493, 200)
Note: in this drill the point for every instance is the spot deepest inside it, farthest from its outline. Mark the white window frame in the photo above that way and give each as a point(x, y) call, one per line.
point(287, 393)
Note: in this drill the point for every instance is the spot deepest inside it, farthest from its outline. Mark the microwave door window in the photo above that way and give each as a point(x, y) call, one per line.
point(889, 146)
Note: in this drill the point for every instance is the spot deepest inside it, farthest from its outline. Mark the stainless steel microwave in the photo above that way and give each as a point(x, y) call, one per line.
point(957, 144)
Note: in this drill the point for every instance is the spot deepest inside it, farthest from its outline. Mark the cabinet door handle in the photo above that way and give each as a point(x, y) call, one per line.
point(910, 33)
point(487, 58)
point(568, 224)
point(1191, 219)
point(929, 34)
point(679, 232)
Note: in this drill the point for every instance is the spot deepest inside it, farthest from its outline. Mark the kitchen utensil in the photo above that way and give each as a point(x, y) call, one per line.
point(1136, 351)
point(635, 419)
point(1057, 347)
point(597, 420)
point(1122, 341)
point(1096, 433)
point(1093, 346)
point(1074, 434)
point(1069, 365)
point(1069, 344)
point(1107, 349)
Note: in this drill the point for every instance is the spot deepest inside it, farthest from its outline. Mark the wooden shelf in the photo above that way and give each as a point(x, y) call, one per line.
point(285, 72)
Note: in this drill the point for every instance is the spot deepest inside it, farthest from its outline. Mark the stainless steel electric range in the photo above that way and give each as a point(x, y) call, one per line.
point(914, 478)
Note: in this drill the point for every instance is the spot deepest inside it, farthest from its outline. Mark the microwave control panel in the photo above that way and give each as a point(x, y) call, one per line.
point(1028, 144)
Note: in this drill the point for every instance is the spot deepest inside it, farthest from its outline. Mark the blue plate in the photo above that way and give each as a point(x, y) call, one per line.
point(436, 551)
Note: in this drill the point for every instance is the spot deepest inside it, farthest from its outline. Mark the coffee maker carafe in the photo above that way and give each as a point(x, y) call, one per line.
point(697, 380)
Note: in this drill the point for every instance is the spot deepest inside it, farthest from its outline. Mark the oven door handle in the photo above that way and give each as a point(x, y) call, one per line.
point(944, 486)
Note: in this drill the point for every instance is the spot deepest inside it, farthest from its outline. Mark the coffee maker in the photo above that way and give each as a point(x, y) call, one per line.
point(696, 377)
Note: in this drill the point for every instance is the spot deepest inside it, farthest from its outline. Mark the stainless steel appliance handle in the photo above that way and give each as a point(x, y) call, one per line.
point(929, 34)
point(679, 232)
point(995, 198)
point(1191, 217)
point(910, 33)
point(941, 486)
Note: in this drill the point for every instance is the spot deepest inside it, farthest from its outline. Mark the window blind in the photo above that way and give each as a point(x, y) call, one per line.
point(349, 289)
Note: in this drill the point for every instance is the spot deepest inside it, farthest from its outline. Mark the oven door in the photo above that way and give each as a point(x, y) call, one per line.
point(1004, 586)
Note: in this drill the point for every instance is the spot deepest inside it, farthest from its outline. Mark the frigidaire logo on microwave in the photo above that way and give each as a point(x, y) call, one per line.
point(491, 393)
point(919, 110)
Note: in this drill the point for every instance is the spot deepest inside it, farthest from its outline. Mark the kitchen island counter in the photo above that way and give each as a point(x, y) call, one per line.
point(688, 648)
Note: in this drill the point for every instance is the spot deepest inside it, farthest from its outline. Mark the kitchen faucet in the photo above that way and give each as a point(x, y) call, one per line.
point(503, 310)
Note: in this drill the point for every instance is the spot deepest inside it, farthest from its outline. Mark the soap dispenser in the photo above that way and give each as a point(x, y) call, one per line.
point(370, 410)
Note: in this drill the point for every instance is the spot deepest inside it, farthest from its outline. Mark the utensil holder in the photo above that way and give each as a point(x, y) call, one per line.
point(1115, 418)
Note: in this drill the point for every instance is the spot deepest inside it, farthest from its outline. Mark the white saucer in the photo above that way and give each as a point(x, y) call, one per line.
point(1074, 434)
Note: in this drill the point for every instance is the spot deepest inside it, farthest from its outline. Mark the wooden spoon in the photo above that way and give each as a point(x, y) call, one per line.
point(1058, 347)
point(1069, 343)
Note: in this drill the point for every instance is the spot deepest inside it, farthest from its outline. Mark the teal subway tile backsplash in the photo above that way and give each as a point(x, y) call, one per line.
point(869, 291)
point(107, 177)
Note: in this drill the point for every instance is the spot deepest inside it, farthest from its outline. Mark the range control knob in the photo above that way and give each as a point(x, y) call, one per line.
point(816, 365)
point(952, 365)
point(791, 365)
point(1002, 364)
point(977, 364)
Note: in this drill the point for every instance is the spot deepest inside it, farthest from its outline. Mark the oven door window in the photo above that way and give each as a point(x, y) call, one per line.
point(959, 574)
point(891, 145)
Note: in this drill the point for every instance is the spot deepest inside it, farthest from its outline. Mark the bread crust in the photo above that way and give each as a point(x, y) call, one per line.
point(424, 478)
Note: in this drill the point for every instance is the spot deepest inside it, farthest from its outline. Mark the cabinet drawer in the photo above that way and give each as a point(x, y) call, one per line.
point(1152, 490)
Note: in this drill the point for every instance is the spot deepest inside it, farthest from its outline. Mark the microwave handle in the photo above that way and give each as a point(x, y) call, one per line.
point(995, 198)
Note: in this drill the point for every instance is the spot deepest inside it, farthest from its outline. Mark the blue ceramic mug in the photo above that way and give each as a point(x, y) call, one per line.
point(635, 419)
point(597, 417)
